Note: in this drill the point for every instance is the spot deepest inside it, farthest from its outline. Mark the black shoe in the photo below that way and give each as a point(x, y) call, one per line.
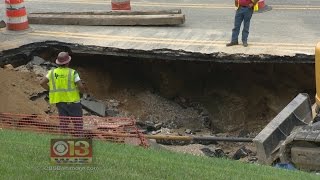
point(232, 44)
point(2, 24)
point(245, 44)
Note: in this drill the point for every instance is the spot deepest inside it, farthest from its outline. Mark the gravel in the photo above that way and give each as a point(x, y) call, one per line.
point(163, 110)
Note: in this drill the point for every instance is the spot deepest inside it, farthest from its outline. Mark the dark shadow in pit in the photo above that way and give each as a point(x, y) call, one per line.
point(232, 96)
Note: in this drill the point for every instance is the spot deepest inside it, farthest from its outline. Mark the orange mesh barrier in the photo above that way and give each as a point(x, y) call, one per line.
point(120, 130)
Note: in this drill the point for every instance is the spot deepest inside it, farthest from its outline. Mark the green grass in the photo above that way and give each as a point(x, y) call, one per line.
point(25, 155)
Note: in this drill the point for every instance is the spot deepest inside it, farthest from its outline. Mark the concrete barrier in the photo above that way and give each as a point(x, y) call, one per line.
point(107, 20)
point(297, 112)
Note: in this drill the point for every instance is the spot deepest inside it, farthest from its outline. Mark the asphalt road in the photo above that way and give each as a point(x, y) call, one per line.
point(291, 27)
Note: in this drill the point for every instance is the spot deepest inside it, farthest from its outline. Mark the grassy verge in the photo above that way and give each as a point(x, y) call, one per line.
point(25, 155)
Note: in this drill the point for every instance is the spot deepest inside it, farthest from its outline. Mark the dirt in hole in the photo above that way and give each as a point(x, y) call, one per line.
point(235, 97)
point(207, 98)
point(16, 88)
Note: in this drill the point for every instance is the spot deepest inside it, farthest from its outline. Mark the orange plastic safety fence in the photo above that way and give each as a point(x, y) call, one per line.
point(120, 130)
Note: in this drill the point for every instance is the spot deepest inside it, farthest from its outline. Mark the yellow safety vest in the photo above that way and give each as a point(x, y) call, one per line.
point(255, 8)
point(62, 86)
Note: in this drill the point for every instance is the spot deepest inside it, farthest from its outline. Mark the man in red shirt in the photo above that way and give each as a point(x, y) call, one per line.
point(243, 14)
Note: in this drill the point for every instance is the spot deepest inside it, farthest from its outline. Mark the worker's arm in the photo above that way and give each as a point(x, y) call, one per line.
point(80, 84)
point(81, 87)
point(254, 2)
point(44, 83)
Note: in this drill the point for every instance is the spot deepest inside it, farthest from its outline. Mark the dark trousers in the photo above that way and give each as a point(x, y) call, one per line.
point(70, 113)
point(243, 14)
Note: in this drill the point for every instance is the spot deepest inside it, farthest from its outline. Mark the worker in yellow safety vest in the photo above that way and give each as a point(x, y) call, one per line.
point(64, 85)
point(243, 14)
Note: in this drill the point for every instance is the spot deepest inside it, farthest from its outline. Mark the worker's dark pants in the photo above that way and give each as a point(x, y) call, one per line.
point(70, 113)
point(242, 14)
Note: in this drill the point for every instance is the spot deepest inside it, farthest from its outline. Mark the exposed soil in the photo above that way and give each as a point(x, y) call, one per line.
point(235, 97)
point(207, 98)
point(16, 88)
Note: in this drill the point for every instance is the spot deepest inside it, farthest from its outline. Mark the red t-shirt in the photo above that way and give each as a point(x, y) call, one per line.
point(244, 2)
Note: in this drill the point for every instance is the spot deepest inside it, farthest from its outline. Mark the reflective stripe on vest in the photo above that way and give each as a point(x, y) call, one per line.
point(65, 89)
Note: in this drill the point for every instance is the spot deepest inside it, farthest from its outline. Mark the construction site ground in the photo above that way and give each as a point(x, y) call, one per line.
point(290, 27)
point(218, 108)
point(206, 98)
point(23, 85)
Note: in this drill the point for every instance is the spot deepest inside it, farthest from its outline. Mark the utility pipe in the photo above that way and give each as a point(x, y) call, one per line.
point(199, 138)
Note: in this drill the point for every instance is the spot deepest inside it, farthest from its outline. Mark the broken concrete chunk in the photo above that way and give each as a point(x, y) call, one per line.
point(171, 125)
point(208, 152)
point(8, 66)
point(149, 125)
point(113, 103)
point(244, 133)
point(166, 131)
point(241, 153)
point(158, 126)
point(140, 123)
point(39, 70)
point(29, 66)
point(94, 106)
point(85, 112)
point(218, 152)
point(49, 65)
point(156, 132)
point(188, 131)
point(253, 159)
point(36, 96)
point(112, 112)
point(37, 61)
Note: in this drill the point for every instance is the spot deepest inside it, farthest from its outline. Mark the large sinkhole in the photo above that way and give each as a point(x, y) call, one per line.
point(199, 95)
point(196, 95)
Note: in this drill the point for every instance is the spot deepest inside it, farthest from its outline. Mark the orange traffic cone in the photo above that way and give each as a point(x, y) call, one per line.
point(17, 15)
point(120, 5)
